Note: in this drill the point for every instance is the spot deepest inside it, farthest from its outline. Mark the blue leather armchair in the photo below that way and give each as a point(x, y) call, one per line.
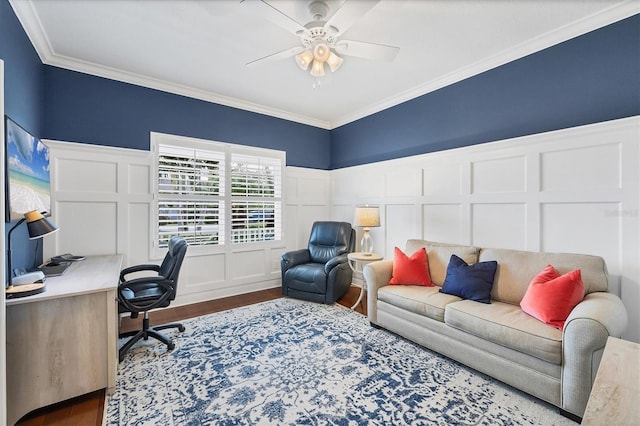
point(320, 273)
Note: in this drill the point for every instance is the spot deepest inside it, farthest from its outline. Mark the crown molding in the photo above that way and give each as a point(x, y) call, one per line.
point(178, 89)
point(30, 21)
point(590, 23)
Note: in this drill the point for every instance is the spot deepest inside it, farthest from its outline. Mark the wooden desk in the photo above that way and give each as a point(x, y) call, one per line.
point(63, 343)
point(615, 395)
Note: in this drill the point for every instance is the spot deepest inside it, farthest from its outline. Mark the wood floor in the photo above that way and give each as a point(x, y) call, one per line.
point(87, 410)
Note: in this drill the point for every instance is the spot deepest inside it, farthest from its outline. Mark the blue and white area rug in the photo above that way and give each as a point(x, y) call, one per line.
point(288, 362)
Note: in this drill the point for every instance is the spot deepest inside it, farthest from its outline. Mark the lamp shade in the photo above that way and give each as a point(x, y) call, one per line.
point(367, 216)
point(334, 61)
point(321, 52)
point(304, 59)
point(317, 68)
point(38, 226)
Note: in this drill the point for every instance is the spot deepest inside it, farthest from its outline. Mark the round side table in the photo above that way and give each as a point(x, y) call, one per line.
point(357, 261)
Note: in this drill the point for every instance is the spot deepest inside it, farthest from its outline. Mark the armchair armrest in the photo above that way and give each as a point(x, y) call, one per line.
point(138, 268)
point(585, 334)
point(293, 258)
point(127, 290)
point(335, 261)
point(376, 275)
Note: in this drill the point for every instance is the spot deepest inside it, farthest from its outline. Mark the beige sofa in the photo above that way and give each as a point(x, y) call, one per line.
point(499, 339)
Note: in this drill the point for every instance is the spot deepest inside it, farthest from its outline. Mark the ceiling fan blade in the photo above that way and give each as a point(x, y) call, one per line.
point(365, 50)
point(349, 13)
point(277, 56)
point(271, 13)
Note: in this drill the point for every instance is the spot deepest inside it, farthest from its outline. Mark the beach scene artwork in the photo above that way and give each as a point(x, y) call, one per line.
point(28, 178)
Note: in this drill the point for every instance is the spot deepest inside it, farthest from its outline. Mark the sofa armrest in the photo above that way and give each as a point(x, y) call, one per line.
point(376, 275)
point(585, 334)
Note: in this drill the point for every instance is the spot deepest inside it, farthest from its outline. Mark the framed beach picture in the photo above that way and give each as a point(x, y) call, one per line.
point(27, 181)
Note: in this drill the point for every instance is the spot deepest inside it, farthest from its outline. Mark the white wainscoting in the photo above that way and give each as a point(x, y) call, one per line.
point(573, 190)
point(307, 199)
point(102, 200)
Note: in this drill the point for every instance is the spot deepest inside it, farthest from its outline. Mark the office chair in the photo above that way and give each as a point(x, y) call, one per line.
point(320, 273)
point(150, 292)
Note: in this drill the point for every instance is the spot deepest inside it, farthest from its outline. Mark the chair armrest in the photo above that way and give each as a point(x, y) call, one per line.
point(585, 334)
point(376, 275)
point(137, 284)
point(293, 258)
point(335, 261)
point(138, 268)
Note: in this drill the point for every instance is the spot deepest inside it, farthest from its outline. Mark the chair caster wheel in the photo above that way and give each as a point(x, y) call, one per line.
point(171, 346)
point(181, 328)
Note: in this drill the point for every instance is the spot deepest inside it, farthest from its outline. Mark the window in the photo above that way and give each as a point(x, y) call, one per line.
point(215, 194)
point(255, 195)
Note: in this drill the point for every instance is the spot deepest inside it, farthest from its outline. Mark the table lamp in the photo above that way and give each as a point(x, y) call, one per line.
point(38, 226)
point(367, 217)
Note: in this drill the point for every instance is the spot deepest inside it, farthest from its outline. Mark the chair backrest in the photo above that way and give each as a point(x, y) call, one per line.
point(170, 267)
point(330, 239)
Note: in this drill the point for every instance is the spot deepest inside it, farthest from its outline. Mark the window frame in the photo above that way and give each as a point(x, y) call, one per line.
point(229, 150)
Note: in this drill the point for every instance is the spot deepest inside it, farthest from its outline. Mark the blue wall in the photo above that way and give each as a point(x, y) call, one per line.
point(88, 109)
point(23, 73)
point(23, 102)
point(589, 79)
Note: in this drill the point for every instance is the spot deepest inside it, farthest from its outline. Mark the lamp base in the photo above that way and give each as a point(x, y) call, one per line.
point(25, 290)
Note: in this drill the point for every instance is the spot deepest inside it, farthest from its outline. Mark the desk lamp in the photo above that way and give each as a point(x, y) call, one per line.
point(38, 226)
point(367, 217)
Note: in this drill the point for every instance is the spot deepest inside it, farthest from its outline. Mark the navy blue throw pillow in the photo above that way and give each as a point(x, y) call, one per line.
point(472, 282)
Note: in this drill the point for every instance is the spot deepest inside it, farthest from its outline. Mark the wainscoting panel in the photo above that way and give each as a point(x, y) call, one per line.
point(139, 182)
point(200, 273)
point(308, 204)
point(443, 222)
point(86, 228)
point(583, 228)
point(574, 169)
point(138, 237)
point(405, 183)
point(499, 175)
point(509, 232)
point(402, 221)
point(247, 264)
point(311, 190)
point(574, 190)
point(76, 175)
point(442, 180)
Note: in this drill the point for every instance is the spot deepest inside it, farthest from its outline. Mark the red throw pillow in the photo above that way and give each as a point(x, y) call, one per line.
point(551, 296)
point(412, 270)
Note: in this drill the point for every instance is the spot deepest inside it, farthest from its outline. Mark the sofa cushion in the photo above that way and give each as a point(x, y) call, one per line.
point(506, 325)
point(439, 255)
point(412, 270)
point(517, 268)
point(426, 301)
point(472, 282)
point(551, 296)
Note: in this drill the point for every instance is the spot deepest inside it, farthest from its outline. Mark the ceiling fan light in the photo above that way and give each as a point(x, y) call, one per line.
point(334, 61)
point(321, 52)
point(317, 69)
point(304, 59)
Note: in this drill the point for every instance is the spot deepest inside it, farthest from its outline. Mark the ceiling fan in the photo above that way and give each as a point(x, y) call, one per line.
point(320, 38)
